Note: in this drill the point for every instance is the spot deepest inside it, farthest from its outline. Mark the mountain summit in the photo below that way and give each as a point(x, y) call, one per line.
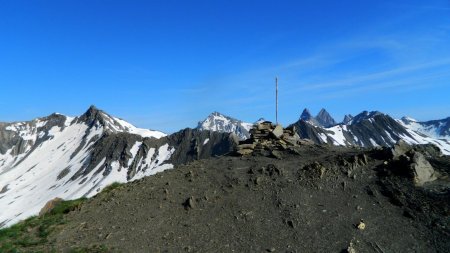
point(325, 119)
point(225, 124)
point(306, 115)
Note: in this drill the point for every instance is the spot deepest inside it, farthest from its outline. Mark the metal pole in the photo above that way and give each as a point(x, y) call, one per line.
point(276, 100)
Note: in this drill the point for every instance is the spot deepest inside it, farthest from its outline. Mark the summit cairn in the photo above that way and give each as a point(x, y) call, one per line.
point(269, 139)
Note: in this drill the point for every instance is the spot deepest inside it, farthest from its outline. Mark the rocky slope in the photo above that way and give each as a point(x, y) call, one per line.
point(65, 157)
point(322, 199)
point(221, 123)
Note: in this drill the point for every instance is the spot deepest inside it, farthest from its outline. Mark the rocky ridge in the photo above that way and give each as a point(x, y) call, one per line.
point(321, 199)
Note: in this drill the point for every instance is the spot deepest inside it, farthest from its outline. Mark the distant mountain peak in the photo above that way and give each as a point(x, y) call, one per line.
point(219, 122)
point(347, 119)
point(407, 119)
point(306, 115)
point(325, 119)
point(93, 114)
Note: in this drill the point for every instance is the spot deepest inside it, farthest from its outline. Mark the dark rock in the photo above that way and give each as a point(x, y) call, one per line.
point(4, 189)
point(189, 203)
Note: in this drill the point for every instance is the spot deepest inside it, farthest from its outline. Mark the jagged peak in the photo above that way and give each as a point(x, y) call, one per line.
point(92, 115)
point(347, 119)
point(216, 113)
point(306, 115)
point(213, 117)
point(322, 111)
point(325, 119)
point(92, 110)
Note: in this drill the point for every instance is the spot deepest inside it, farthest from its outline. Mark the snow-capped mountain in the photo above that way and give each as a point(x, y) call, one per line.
point(439, 129)
point(371, 129)
point(65, 157)
point(221, 123)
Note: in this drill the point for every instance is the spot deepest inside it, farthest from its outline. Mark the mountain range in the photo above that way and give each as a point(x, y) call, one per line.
point(366, 129)
point(69, 158)
point(73, 157)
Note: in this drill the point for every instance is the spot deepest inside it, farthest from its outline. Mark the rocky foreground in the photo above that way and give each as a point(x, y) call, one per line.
point(311, 199)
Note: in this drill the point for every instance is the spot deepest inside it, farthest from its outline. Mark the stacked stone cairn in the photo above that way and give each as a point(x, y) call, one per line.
point(269, 139)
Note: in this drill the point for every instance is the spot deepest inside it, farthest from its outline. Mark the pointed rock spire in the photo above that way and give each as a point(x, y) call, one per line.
point(306, 115)
point(325, 119)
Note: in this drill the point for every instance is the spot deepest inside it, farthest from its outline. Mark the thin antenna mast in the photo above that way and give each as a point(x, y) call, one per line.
point(276, 100)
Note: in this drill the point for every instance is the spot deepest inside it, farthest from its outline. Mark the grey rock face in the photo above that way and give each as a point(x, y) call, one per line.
point(325, 119)
point(422, 170)
point(347, 119)
point(19, 137)
point(191, 144)
point(400, 148)
point(306, 115)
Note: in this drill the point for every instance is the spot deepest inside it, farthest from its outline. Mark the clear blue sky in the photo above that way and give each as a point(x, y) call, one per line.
point(167, 64)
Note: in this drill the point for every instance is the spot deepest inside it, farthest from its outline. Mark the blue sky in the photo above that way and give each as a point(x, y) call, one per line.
point(167, 64)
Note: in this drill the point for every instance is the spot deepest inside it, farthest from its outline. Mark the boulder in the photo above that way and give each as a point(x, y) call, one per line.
point(277, 132)
point(400, 148)
point(421, 169)
point(49, 206)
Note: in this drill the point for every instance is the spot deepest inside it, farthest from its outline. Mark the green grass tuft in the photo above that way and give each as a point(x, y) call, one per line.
point(111, 187)
point(33, 232)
